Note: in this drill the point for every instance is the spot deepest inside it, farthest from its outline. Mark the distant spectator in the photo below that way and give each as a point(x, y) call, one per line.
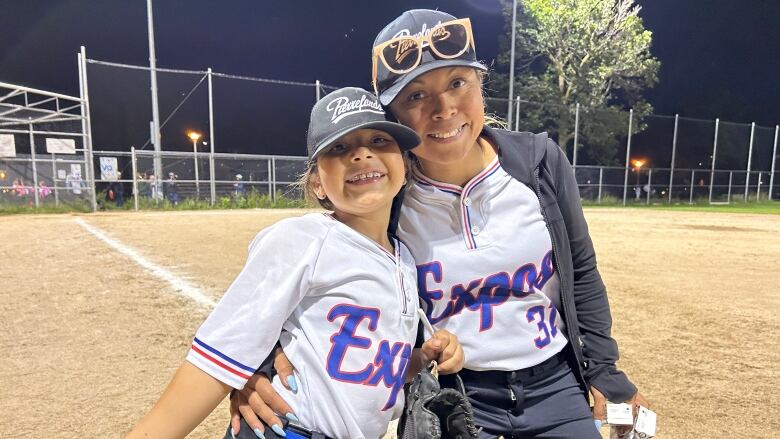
point(116, 193)
point(154, 188)
point(144, 189)
point(73, 182)
point(43, 190)
point(171, 189)
point(239, 189)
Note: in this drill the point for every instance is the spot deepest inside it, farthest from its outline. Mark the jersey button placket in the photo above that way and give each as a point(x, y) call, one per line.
point(466, 227)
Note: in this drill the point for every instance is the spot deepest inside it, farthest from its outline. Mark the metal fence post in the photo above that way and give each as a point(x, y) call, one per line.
point(517, 113)
point(774, 156)
point(270, 188)
point(601, 178)
point(212, 169)
point(34, 166)
point(693, 177)
point(317, 85)
point(649, 184)
point(54, 180)
point(750, 158)
point(714, 153)
point(576, 133)
point(628, 155)
point(86, 125)
point(674, 151)
point(135, 177)
point(728, 197)
point(273, 179)
point(758, 187)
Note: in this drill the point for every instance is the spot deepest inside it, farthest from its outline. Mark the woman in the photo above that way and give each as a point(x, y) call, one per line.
point(494, 222)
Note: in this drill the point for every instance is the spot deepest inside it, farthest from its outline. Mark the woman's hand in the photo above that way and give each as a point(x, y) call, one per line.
point(445, 348)
point(258, 401)
point(600, 406)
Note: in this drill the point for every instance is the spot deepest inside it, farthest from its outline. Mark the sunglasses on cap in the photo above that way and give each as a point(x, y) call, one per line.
point(403, 54)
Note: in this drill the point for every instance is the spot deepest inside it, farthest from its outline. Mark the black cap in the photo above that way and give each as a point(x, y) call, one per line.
point(349, 109)
point(416, 22)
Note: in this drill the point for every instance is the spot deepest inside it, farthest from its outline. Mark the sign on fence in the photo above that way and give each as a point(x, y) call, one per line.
point(7, 145)
point(108, 169)
point(60, 146)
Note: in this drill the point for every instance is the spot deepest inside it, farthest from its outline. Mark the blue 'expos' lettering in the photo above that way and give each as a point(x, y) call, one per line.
point(481, 294)
point(382, 369)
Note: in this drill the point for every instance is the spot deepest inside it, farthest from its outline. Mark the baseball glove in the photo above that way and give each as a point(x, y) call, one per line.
point(432, 412)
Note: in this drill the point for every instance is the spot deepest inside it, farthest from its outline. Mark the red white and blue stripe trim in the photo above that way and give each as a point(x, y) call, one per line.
point(444, 187)
point(214, 356)
point(474, 182)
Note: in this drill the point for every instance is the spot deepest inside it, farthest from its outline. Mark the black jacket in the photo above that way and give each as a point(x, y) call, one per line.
point(539, 163)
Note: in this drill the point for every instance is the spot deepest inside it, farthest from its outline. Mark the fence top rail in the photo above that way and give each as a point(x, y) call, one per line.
point(623, 168)
point(38, 132)
point(201, 72)
point(22, 88)
point(218, 155)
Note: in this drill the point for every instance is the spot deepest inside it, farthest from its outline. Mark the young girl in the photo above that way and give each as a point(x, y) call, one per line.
point(339, 290)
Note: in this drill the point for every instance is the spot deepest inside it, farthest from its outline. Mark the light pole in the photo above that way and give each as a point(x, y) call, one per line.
point(195, 136)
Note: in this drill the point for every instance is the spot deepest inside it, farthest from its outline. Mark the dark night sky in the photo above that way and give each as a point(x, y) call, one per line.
point(719, 58)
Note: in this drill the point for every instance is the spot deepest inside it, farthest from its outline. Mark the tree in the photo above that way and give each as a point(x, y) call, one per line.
point(592, 52)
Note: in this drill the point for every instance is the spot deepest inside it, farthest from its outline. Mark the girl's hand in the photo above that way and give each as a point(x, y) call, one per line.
point(445, 348)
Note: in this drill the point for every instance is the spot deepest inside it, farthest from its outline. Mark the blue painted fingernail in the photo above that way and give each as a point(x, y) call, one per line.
point(292, 383)
point(278, 430)
point(291, 416)
point(598, 423)
point(259, 433)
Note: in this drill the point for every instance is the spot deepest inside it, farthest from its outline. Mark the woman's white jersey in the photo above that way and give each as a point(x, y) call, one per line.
point(346, 309)
point(485, 267)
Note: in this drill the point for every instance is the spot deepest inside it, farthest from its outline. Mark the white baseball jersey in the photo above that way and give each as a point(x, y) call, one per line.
point(347, 309)
point(485, 267)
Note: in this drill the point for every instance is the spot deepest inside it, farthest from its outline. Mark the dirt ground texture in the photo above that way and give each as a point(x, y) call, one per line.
point(89, 339)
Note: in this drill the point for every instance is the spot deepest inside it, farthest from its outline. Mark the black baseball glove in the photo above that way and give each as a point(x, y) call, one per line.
point(432, 412)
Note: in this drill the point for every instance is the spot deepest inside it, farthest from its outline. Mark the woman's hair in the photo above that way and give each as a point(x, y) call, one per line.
point(304, 183)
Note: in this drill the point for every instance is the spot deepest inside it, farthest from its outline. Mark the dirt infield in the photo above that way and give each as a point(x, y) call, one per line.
point(89, 338)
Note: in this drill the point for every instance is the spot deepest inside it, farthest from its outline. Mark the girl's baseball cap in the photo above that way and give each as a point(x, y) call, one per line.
point(349, 109)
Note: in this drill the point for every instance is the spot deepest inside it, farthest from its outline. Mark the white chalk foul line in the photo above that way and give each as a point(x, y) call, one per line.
point(180, 285)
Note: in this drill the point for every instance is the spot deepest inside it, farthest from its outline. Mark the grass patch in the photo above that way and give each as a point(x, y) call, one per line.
point(699, 205)
point(252, 200)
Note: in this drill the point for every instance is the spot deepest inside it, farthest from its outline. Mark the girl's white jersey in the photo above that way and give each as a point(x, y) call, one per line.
point(485, 267)
point(346, 309)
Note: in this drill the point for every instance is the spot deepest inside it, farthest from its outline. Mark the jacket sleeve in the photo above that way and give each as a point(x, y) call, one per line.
point(590, 295)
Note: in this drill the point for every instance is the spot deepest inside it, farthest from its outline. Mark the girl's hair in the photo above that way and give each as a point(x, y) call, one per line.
point(304, 183)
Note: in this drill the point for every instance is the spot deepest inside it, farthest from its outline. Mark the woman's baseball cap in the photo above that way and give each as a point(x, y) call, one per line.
point(346, 110)
point(415, 23)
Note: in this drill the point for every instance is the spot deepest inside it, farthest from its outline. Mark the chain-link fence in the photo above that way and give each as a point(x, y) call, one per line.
point(43, 149)
point(206, 117)
point(187, 178)
point(654, 158)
